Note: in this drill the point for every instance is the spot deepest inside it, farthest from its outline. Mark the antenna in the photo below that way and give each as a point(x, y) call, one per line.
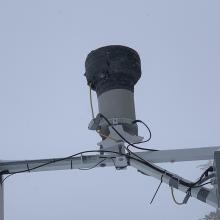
point(112, 72)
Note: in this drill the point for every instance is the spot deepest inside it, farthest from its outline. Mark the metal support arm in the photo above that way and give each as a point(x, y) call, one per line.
point(201, 193)
point(82, 162)
point(85, 162)
point(177, 155)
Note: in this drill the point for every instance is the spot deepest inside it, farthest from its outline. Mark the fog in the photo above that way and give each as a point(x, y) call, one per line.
point(45, 110)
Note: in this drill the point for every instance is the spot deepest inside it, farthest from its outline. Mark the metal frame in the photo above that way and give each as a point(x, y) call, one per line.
point(162, 156)
point(201, 193)
point(85, 162)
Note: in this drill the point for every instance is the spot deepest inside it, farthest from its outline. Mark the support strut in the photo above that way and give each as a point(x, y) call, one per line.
point(1, 199)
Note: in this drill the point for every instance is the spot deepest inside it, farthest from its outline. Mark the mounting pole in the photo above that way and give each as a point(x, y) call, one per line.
point(1, 199)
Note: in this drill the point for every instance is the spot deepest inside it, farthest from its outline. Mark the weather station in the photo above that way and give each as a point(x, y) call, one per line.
point(112, 72)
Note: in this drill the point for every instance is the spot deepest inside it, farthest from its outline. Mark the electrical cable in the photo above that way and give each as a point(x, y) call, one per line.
point(174, 199)
point(146, 162)
point(210, 176)
point(190, 185)
point(91, 103)
point(135, 121)
point(124, 139)
point(137, 147)
point(128, 156)
point(201, 179)
point(96, 165)
point(202, 184)
point(69, 157)
point(9, 175)
point(188, 191)
point(161, 181)
point(103, 151)
point(141, 142)
point(140, 121)
point(145, 141)
point(205, 173)
point(162, 171)
point(93, 115)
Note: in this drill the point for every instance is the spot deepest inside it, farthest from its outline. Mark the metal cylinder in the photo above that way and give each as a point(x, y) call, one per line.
point(112, 72)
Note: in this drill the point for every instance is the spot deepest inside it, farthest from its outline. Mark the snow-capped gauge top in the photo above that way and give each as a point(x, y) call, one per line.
point(112, 67)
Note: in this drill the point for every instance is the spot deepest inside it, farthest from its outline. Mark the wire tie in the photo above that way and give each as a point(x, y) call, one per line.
point(188, 191)
point(28, 167)
point(178, 181)
point(188, 195)
point(71, 164)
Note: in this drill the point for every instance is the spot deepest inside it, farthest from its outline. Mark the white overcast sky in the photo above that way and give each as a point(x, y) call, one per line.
point(44, 104)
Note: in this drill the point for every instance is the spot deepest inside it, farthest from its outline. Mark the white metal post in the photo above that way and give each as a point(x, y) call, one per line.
point(1, 200)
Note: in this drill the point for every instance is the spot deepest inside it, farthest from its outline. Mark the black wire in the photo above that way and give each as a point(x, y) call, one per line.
point(7, 177)
point(145, 141)
point(205, 173)
point(90, 168)
point(69, 157)
point(206, 178)
point(161, 181)
point(128, 156)
point(124, 139)
point(54, 162)
point(202, 184)
point(162, 171)
point(143, 160)
point(140, 121)
point(137, 147)
point(137, 158)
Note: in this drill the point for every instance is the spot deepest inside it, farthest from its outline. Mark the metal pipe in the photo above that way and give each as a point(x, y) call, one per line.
point(1, 199)
point(201, 193)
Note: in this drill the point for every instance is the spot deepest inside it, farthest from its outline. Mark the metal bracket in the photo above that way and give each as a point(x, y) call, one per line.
point(120, 162)
point(95, 123)
point(115, 142)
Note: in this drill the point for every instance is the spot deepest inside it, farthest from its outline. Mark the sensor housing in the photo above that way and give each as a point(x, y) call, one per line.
point(112, 72)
